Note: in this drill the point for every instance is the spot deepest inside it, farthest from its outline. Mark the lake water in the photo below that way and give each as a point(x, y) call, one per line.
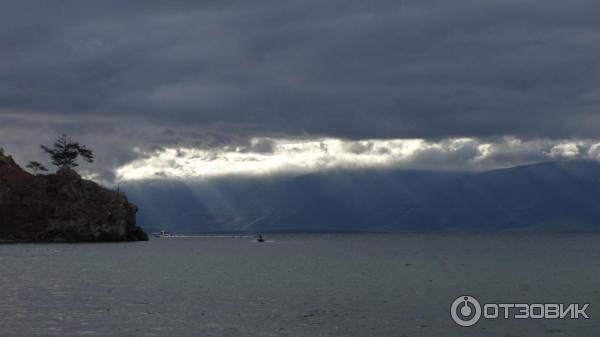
point(296, 285)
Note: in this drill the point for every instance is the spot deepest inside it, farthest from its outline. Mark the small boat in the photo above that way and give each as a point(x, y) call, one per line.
point(260, 238)
point(161, 234)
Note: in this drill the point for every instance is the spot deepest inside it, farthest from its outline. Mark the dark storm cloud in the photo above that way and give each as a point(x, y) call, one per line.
point(351, 69)
point(130, 78)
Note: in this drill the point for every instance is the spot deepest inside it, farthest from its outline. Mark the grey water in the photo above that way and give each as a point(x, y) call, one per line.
point(295, 285)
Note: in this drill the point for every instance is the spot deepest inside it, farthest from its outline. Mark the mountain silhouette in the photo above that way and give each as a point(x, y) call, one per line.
point(549, 196)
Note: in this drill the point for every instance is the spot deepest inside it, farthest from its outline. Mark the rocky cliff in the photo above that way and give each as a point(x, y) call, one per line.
point(62, 207)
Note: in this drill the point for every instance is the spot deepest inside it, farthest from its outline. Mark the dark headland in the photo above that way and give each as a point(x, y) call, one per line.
point(62, 207)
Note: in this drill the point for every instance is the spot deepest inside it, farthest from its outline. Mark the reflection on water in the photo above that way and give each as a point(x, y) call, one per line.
point(297, 285)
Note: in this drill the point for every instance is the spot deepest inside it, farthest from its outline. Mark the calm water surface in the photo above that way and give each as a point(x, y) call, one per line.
point(296, 285)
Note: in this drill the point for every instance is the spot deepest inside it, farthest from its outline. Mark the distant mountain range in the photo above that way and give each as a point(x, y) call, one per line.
point(550, 196)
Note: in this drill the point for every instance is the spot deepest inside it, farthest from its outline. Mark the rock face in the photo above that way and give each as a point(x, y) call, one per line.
point(62, 207)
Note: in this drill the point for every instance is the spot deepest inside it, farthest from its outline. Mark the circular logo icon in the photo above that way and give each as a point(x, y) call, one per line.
point(465, 310)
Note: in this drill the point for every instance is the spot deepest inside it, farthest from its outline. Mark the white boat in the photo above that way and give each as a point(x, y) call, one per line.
point(161, 234)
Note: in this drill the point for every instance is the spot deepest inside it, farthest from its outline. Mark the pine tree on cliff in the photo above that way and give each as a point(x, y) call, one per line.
point(65, 152)
point(36, 167)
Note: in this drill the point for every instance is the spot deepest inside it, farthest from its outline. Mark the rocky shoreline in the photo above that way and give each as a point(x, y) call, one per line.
point(62, 207)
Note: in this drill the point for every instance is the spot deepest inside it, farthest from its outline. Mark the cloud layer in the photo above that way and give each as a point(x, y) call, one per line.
point(201, 75)
point(277, 156)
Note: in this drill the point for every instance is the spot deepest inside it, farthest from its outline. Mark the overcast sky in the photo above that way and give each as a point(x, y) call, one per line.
point(147, 82)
